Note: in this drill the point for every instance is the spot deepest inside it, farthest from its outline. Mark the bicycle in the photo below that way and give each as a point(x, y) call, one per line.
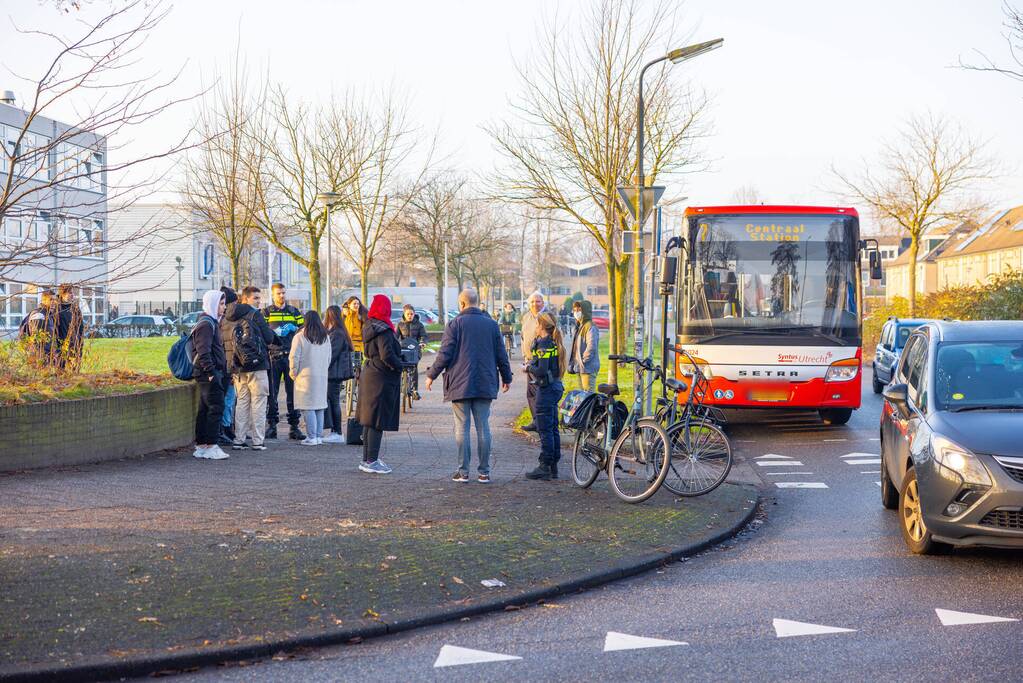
point(352, 385)
point(701, 454)
point(631, 448)
point(508, 332)
point(409, 371)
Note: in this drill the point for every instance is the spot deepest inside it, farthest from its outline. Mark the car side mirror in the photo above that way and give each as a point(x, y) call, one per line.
point(898, 396)
point(875, 265)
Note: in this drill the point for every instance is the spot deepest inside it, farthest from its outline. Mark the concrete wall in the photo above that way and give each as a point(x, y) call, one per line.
point(96, 429)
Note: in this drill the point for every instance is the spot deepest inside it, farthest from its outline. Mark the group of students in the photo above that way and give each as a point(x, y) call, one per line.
point(243, 353)
point(54, 331)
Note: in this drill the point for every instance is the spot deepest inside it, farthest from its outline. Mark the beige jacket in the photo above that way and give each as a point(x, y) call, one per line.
point(309, 364)
point(528, 331)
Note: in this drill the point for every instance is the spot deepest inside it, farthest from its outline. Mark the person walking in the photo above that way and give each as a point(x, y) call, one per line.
point(546, 368)
point(473, 359)
point(379, 383)
point(412, 334)
point(210, 374)
point(339, 372)
point(309, 364)
point(247, 343)
point(507, 321)
point(354, 313)
point(584, 359)
point(285, 320)
point(535, 306)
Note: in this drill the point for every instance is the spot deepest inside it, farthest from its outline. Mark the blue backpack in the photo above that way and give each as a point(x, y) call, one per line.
point(181, 358)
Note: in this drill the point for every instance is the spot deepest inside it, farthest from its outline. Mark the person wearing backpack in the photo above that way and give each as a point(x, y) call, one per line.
point(247, 340)
point(210, 373)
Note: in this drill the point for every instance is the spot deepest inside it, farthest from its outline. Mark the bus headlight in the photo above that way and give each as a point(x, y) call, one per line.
point(685, 368)
point(843, 370)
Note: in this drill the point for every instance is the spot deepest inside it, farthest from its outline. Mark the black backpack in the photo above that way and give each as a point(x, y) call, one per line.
point(249, 349)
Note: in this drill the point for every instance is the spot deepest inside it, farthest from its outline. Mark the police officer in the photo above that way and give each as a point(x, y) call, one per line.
point(285, 320)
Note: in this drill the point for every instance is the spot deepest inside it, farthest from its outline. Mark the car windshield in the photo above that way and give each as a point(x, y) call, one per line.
point(792, 275)
point(979, 375)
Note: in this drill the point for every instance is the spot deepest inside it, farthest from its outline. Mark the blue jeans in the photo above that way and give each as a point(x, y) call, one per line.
point(229, 399)
point(547, 422)
point(478, 409)
point(313, 423)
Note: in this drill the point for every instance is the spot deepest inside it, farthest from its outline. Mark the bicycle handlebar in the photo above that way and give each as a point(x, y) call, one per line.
point(644, 363)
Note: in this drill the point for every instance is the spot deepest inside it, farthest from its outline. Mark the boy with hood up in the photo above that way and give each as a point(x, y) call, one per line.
point(210, 374)
point(585, 359)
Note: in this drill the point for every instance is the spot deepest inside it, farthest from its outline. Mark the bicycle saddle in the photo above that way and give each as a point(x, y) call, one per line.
point(608, 389)
point(675, 385)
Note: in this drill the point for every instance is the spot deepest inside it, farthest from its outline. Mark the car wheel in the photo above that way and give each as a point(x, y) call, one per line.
point(889, 494)
point(835, 416)
point(878, 385)
point(911, 519)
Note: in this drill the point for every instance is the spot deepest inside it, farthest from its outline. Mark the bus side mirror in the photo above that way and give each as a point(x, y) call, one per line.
point(875, 265)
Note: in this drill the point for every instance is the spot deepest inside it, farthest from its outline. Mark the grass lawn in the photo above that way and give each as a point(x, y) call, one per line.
point(147, 355)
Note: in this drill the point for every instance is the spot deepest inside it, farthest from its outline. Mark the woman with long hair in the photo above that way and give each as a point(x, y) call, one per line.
point(547, 365)
point(379, 383)
point(339, 371)
point(353, 313)
point(309, 363)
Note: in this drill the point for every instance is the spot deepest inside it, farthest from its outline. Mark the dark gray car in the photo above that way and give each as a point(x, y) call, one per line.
point(952, 436)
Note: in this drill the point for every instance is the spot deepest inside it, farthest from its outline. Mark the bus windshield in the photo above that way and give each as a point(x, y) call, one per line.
point(758, 276)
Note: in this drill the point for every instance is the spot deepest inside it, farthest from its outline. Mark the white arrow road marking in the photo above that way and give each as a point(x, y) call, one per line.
point(784, 474)
point(952, 618)
point(781, 463)
point(773, 456)
point(786, 629)
point(859, 455)
point(452, 655)
point(801, 484)
point(863, 461)
point(623, 641)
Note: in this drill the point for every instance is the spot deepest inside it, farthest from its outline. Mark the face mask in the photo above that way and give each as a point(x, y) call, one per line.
point(578, 315)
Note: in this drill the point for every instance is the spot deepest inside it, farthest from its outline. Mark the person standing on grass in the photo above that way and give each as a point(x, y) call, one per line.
point(210, 374)
point(535, 306)
point(379, 383)
point(285, 320)
point(473, 359)
point(247, 342)
point(411, 331)
point(546, 368)
point(38, 330)
point(584, 360)
point(340, 371)
point(70, 328)
point(309, 365)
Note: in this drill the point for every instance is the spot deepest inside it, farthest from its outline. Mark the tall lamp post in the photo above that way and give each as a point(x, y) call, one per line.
point(179, 268)
point(675, 56)
point(328, 199)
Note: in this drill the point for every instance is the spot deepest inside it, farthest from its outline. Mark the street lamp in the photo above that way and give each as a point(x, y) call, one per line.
point(328, 199)
point(675, 56)
point(179, 268)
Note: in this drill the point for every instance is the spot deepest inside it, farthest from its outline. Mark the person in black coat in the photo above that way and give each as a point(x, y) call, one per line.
point(379, 383)
point(340, 370)
point(70, 328)
point(210, 374)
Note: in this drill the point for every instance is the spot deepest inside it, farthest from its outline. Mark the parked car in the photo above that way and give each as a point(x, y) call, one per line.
point(889, 347)
point(189, 319)
point(951, 454)
point(427, 317)
point(136, 326)
point(601, 320)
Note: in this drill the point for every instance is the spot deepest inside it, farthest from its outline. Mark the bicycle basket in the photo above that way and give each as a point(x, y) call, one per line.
point(410, 356)
point(576, 407)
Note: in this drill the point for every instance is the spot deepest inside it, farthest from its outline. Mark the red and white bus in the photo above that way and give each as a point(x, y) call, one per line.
point(769, 306)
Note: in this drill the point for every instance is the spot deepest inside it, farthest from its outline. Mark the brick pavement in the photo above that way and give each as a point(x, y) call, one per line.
point(168, 553)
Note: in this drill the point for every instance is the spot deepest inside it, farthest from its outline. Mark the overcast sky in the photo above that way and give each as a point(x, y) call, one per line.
point(799, 86)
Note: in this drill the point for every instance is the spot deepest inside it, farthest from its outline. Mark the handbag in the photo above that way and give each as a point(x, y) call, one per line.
point(353, 432)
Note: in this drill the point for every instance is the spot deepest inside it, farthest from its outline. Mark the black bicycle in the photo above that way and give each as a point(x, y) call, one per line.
point(410, 354)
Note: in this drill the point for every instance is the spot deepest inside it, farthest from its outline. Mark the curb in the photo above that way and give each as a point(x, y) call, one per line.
point(198, 658)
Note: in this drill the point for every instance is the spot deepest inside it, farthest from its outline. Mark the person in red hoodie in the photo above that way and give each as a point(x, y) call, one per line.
point(379, 383)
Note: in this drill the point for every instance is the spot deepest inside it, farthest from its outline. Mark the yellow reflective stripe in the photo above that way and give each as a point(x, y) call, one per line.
point(299, 319)
point(546, 353)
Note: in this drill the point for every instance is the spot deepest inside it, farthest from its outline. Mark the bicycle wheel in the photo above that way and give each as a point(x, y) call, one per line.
point(588, 455)
point(638, 464)
point(701, 458)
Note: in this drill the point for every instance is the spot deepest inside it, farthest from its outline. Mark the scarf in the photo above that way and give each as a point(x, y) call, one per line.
point(380, 309)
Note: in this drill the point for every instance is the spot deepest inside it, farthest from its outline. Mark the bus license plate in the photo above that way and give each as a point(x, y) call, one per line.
point(772, 395)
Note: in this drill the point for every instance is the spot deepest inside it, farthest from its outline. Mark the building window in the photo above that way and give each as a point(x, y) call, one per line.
point(16, 300)
point(93, 303)
point(596, 290)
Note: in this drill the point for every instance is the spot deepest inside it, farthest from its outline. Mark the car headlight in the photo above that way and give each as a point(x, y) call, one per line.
point(843, 370)
point(959, 460)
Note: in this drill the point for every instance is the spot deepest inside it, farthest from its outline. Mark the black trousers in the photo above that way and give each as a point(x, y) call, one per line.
point(279, 371)
point(211, 410)
point(332, 418)
point(531, 399)
point(371, 439)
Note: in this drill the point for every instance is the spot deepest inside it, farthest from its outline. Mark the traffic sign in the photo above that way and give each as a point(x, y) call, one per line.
point(631, 246)
point(651, 195)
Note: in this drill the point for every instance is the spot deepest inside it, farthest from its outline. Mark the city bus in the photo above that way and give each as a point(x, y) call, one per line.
point(768, 303)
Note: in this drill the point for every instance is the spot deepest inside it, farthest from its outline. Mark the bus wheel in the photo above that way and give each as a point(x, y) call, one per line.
point(835, 416)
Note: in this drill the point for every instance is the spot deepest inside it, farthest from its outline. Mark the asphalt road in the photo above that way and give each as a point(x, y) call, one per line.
point(824, 553)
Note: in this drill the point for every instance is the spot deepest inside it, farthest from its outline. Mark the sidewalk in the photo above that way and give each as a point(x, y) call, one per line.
point(168, 561)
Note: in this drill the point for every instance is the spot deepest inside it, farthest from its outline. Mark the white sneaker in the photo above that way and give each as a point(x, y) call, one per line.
point(214, 453)
point(309, 441)
point(201, 452)
point(333, 437)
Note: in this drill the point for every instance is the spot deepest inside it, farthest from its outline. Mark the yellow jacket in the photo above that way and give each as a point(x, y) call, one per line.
point(354, 327)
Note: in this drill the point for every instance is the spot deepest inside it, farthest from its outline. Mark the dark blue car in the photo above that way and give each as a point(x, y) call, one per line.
point(886, 357)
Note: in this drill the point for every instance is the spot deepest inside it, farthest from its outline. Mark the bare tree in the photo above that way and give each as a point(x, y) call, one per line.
point(572, 142)
point(219, 185)
point(52, 198)
point(372, 200)
point(1013, 35)
point(486, 267)
point(925, 176)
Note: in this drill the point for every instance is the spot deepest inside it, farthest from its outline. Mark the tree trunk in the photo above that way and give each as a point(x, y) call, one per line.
point(364, 284)
point(612, 332)
point(438, 270)
point(914, 250)
point(236, 272)
point(315, 286)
